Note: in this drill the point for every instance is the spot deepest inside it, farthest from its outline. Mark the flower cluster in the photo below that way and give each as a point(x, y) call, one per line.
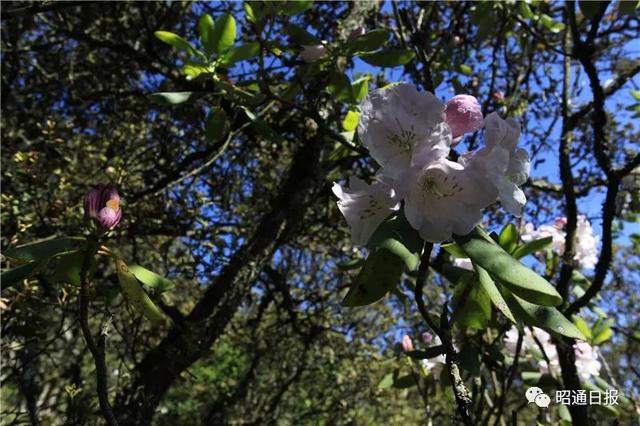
point(586, 243)
point(410, 134)
point(102, 207)
point(587, 362)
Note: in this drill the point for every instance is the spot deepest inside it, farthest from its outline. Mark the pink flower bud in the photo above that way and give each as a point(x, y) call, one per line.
point(463, 115)
point(427, 338)
point(407, 344)
point(560, 222)
point(497, 96)
point(358, 32)
point(102, 205)
point(456, 40)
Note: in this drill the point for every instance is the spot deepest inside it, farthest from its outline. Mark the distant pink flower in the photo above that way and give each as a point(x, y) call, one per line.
point(498, 96)
point(464, 115)
point(407, 344)
point(427, 337)
point(102, 205)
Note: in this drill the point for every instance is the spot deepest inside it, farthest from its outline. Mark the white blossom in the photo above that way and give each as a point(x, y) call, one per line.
point(396, 119)
point(365, 206)
point(435, 365)
point(586, 242)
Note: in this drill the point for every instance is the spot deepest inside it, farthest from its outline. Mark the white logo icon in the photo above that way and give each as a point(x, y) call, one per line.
point(538, 397)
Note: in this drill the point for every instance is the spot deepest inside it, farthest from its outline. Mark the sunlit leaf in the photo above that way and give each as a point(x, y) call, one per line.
point(150, 279)
point(454, 250)
point(360, 88)
point(135, 294)
point(241, 53)
point(205, 30)
point(175, 41)
point(350, 122)
point(224, 34)
point(508, 238)
point(521, 280)
point(532, 247)
point(582, 326)
point(170, 98)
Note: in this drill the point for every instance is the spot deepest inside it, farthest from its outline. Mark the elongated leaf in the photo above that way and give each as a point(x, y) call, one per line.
point(205, 30)
point(430, 352)
point(175, 41)
point(472, 306)
point(352, 264)
point(301, 36)
point(582, 326)
point(513, 274)
point(170, 98)
point(350, 122)
point(215, 124)
point(455, 250)
point(370, 41)
point(379, 275)
point(388, 58)
point(150, 279)
point(293, 7)
point(545, 317)
point(135, 294)
point(489, 287)
point(10, 277)
point(397, 236)
point(386, 382)
point(224, 34)
point(532, 247)
point(360, 88)
point(628, 7)
point(508, 239)
point(241, 53)
point(44, 249)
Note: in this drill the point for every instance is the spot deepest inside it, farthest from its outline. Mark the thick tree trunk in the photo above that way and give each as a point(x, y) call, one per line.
point(186, 343)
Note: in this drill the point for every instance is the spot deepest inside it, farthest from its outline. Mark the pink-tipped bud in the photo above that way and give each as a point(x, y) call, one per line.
point(358, 32)
point(497, 96)
point(406, 343)
point(560, 222)
point(102, 206)
point(427, 338)
point(463, 115)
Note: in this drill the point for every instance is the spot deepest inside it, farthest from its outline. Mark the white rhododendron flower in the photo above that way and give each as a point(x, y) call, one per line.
point(507, 166)
point(365, 206)
point(586, 243)
point(393, 121)
point(313, 53)
point(587, 362)
point(408, 133)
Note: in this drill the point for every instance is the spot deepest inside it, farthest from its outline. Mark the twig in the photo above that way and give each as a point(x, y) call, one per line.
point(97, 350)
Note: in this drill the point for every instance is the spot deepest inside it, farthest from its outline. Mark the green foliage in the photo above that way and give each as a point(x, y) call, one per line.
point(388, 57)
point(224, 34)
point(135, 294)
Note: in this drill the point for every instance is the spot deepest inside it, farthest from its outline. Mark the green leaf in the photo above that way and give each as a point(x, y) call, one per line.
point(360, 88)
point(205, 30)
point(175, 41)
point(591, 9)
point(301, 36)
point(135, 294)
point(224, 34)
point(430, 352)
point(352, 264)
point(545, 317)
point(69, 267)
point(386, 382)
point(602, 331)
point(521, 280)
point(379, 275)
point(465, 69)
point(170, 98)
point(582, 326)
point(10, 277)
point(388, 57)
point(548, 22)
point(489, 287)
point(635, 94)
point(350, 122)
point(454, 250)
point(370, 41)
point(194, 69)
point(532, 247)
point(531, 377)
point(241, 53)
point(627, 7)
point(396, 235)
point(150, 279)
point(524, 10)
point(293, 7)
point(44, 249)
point(340, 87)
point(473, 309)
point(508, 238)
point(215, 124)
